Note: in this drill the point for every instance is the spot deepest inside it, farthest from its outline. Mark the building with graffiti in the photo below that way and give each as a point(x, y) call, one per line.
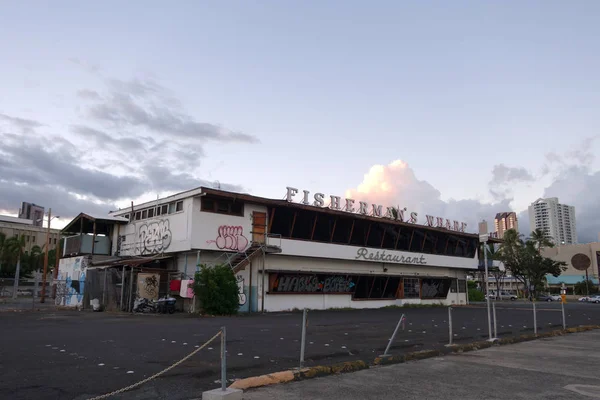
point(313, 251)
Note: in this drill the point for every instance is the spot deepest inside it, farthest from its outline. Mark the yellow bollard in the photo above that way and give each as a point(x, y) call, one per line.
point(564, 298)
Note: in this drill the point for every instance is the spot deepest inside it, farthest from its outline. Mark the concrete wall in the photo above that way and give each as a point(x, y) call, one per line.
point(70, 282)
point(566, 253)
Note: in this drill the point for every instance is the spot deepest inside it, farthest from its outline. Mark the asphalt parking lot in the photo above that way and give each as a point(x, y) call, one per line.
point(77, 355)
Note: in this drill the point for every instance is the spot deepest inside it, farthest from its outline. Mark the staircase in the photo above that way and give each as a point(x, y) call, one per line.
point(239, 261)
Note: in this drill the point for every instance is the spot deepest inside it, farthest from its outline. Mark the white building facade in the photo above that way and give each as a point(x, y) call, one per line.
point(297, 253)
point(558, 220)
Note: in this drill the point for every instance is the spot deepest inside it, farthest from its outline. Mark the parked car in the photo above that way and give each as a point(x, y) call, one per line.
point(503, 296)
point(546, 297)
point(584, 299)
point(594, 299)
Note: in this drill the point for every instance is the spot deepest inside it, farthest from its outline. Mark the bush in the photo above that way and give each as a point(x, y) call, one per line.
point(472, 284)
point(583, 287)
point(476, 295)
point(217, 289)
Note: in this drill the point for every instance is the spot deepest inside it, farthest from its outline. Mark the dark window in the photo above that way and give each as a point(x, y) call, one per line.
point(221, 206)
point(411, 288)
point(390, 236)
point(33, 239)
point(417, 241)
point(404, 238)
point(430, 242)
point(150, 212)
point(281, 221)
point(435, 288)
point(363, 287)
point(324, 227)
point(164, 209)
point(138, 215)
point(179, 206)
point(158, 211)
point(375, 235)
point(144, 214)
point(391, 288)
point(303, 225)
point(461, 248)
point(341, 234)
point(359, 233)
point(440, 247)
point(451, 246)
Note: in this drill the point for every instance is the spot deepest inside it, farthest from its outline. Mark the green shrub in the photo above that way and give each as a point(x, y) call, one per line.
point(476, 295)
point(217, 289)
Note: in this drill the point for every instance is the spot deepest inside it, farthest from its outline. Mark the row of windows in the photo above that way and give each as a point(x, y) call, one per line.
point(222, 206)
point(320, 227)
point(163, 209)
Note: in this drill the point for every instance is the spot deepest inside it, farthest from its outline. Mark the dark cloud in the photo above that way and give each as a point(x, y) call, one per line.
point(104, 140)
point(22, 124)
point(502, 175)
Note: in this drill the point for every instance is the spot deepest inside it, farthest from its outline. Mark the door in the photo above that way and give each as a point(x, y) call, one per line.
point(259, 227)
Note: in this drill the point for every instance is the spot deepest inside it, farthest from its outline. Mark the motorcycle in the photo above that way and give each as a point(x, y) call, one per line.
point(166, 305)
point(144, 306)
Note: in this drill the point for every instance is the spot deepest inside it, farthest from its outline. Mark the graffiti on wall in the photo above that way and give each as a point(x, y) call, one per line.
point(70, 282)
point(230, 237)
point(317, 283)
point(241, 294)
point(154, 237)
point(147, 285)
point(435, 288)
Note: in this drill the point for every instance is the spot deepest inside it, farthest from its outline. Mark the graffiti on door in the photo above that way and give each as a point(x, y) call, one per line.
point(241, 294)
point(230, 237)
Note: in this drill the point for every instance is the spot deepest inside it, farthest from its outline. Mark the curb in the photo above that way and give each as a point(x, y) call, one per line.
point(353, 366)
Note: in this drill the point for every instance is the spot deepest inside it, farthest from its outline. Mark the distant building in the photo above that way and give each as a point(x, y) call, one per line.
point(558, 220)
point(34, 235)
point(583, 262)
point(32, 212)
point(505, 221)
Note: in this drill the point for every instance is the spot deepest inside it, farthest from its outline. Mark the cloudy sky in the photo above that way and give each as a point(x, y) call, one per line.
point(459, 109)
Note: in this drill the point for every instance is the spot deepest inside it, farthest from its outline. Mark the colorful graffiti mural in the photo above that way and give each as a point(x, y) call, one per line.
point(230, 237)
point(70, 282)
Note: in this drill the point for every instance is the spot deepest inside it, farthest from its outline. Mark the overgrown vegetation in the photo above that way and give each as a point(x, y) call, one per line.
point(217, 289)
point(12, 253)
point(524, 260)
point(586, 287)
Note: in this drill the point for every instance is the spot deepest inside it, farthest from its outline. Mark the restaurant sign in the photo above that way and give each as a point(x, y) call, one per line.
point(375, 210)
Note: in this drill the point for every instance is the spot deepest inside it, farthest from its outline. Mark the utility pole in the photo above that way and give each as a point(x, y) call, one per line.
point(483, 238)
point(43, 299)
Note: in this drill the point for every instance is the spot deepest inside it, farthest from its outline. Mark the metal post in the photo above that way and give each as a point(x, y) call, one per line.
point(487, 295)
point(393, 336)
point(534, 319)
point(122, 289)
point(130, 289)
point(43, 299)
point(223, 359)
point(495, 321)
point(104, 290)
point(449, 326)
point(303, 341)
point(562, 306)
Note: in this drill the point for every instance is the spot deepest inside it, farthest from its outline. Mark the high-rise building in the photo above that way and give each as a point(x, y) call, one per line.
point(558, 220)
point(505, 221)
point(33, 212)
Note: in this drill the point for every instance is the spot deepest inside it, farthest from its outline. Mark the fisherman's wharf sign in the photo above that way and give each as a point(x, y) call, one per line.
point(375, 210)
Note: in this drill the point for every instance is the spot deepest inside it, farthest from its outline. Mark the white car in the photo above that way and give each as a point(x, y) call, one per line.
point(584, 299)
point(503, 296)
point(556, 297)
point(594, 299)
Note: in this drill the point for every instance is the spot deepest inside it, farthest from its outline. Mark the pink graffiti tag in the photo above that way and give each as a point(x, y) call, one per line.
point(231, 238)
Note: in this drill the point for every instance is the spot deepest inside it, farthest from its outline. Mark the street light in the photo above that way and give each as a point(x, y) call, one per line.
point(483, 237)
point(50, 218)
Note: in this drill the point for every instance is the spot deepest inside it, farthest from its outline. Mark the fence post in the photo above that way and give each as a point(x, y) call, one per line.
point(495, 321)
point(104, 291)
point(534, 319)
point(223, 359)
point(562, 306)
point(393, 336)
point(122, 289)
point(303, 341)
point(449, 326)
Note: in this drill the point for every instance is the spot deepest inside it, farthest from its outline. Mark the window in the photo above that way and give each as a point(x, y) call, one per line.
point(179, 206)
point(376, 287)
point(150, 212)
point(341, 232)
point(158, 211)
point(281, 221)
point(33, 239)
point(27, 238)
point(138, 215)
point(411, 288)
point(303, 225)
point(359, 233)
point(435, 288)
point(171, 208)
point(164, 209)
point(144, 214)
point(323, 228)
point(222, 206)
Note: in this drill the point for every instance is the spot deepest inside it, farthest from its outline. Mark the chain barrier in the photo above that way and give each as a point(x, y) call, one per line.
point(104, 396)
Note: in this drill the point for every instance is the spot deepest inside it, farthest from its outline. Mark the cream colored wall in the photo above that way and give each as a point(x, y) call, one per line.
point(565, 253)
point(34, 235)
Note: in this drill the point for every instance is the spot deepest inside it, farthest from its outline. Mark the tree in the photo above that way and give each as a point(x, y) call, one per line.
point(524, 260)
point(541, 239)
point(15, 249)
point(585, 287)
point(217, 289)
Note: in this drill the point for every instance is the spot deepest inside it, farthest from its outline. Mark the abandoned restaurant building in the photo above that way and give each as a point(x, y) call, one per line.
point(304, 251)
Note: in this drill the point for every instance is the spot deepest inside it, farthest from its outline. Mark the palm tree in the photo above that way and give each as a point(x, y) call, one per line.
point(15, 246)
point(541, 239)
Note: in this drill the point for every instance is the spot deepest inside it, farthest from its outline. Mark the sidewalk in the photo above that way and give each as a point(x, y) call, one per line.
point(561, 368)
point(7, 304)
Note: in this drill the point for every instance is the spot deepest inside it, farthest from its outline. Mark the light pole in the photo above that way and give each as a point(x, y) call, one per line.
point(483, 237)
point(50, 218)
